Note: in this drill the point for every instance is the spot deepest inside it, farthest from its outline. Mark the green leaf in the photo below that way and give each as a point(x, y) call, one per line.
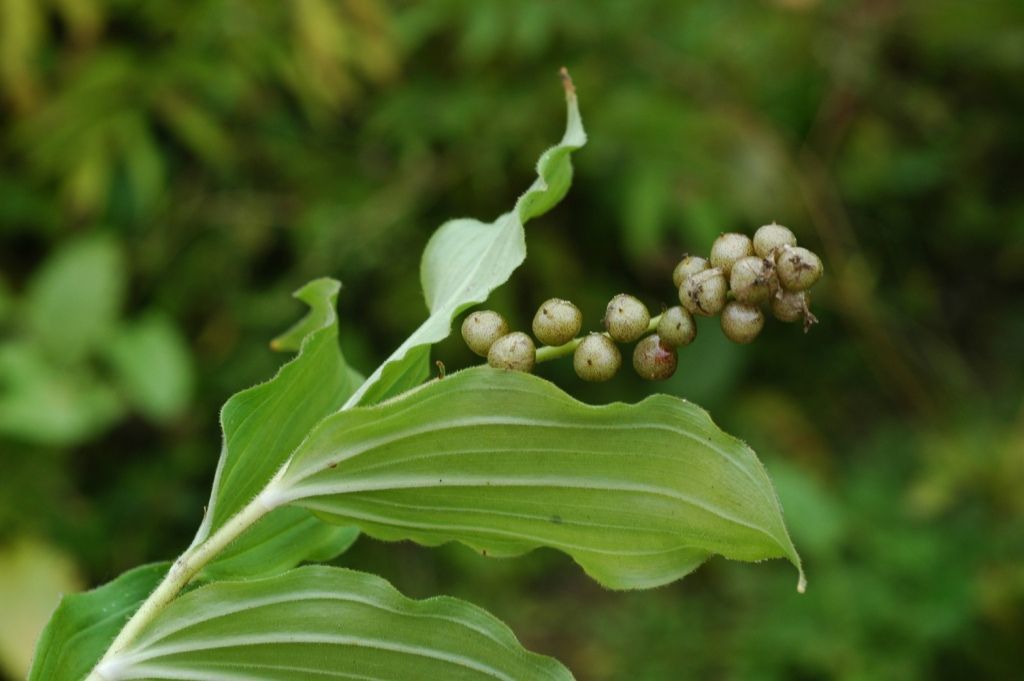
point(151, 361)
point(397, 377)
point(47, 404)
point(84, 624)
point(322, 622)
point(466, 259)
point(264, 424)
point(639, 495)
point(279, 542)
point(74, 300)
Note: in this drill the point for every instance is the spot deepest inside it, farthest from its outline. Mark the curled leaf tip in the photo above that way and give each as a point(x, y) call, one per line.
point(801, 585)
point(570, 89)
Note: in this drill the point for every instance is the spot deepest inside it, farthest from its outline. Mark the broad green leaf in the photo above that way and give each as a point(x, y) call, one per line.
point(322, 622)
point(33, 577)
point(84, 624)
point(397, 377)
point(466, 259)
point(279, 542)
point(151, 361)
point(74, 300)
point(264, 424)
point(639, 495)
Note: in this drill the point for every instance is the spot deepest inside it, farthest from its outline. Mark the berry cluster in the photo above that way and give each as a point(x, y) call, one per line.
point(740, 276)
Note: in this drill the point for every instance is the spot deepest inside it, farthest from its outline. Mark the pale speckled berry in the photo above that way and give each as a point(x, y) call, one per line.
point(704, 293)
point(689, 265)
point(798, 268)
point(653, 359)
point(596, 358)
point(789, 306)
point(741, 322)
point(769, 238)
point(557, 322)
point(728, 248)
point(481, 328)
point(677, 326)
point(626, 318)
point(514, 351)
point(751, 280)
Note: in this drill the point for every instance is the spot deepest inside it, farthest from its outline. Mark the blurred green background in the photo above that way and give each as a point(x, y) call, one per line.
point(170, 172)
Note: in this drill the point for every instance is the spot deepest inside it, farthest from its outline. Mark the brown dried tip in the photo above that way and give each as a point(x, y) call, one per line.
point(570, 89)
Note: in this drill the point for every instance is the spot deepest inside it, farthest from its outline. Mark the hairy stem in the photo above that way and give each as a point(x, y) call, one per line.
point(549, 352)
point(180, 574)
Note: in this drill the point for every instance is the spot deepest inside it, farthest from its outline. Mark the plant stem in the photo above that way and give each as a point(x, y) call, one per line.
point(549, 352)
point(196, 557)
point(180, 574)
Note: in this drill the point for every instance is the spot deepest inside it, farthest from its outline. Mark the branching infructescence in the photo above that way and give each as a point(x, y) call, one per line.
point(739, 278)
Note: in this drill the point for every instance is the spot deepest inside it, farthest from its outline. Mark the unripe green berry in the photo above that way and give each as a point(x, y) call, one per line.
point(481, 328)
point(789, 306)
point(557, 322)
point(514, 351)
point(704, 293)
point(728, 248)
point(741, 322)
point(751, 280)
point(653, 359)
point(688, 266)
point(769, 238)
point(677, 326)
point(596, 358)
point(626, 318)
point(798, 268)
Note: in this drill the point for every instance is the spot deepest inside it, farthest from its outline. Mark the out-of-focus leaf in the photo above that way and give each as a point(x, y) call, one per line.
point(322, 622)
point(33, 576)
point(84, 624)
point(466, 259)
point(279, 542)
point(74, 300)
point(152, 363)
point(639, 495)
point(47, 404)
point(264, 424)
point(6, 301)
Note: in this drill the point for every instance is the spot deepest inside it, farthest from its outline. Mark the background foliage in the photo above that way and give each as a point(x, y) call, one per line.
point(170, 172)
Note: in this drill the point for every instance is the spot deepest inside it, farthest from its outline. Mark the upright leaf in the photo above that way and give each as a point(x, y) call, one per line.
point(264, 424)
point(84, 624)
point(321, 622)
point(639, 495)
point(466, 259)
